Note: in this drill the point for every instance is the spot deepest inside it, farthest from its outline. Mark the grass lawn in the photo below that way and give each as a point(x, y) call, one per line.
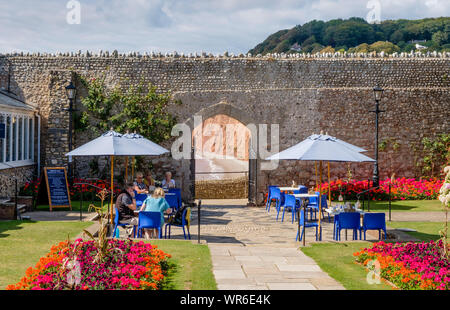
point(23, 243)
point(404, 205)
point(426, 231)
point(192, 265)
point(338, 261)
point(75, 206)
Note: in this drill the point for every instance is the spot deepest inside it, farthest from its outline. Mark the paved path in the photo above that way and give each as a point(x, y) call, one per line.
point(407, 216)
point(251, 251)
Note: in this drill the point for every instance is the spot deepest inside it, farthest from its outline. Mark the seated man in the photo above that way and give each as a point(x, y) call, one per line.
point(125, 205)
point(168, 182)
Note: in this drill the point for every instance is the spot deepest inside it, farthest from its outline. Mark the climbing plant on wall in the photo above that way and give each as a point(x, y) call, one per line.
point(139, 108)
point(436, 153)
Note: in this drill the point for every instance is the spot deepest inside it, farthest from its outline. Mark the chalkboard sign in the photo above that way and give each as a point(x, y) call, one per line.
point(57, 187)
point(2, 131)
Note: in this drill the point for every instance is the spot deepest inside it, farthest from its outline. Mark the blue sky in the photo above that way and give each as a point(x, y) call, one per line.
point(185, 26)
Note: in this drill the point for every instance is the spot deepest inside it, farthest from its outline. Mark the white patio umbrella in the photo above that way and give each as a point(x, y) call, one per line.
point(144, 144)
point(113, 144)
point(322, 148)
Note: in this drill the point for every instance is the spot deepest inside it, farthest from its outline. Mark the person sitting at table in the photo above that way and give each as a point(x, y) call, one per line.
point(139, 185)
point(156, 203)
point(149, 181)
point(126, 205)
point(168, 182)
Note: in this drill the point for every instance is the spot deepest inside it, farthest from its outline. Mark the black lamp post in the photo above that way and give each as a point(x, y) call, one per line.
point(378, 92)
point(71, 91)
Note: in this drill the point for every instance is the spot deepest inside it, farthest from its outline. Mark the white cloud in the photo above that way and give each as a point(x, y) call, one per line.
point(182, 25)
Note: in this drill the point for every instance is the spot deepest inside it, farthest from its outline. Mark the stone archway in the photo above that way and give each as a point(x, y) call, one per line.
point(231, 111)
point(221, 147)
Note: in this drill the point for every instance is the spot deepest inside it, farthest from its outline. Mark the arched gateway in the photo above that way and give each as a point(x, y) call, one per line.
point(211, 123)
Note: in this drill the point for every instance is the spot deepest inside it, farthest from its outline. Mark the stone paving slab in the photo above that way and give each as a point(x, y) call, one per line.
point(250, 250)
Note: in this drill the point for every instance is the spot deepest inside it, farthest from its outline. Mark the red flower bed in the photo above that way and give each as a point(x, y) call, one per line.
point(401, 189)
point(410, 265)
point(127, 265)
point(75, 190)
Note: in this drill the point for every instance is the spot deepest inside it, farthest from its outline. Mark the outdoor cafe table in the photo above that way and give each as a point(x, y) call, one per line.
point(288, 188)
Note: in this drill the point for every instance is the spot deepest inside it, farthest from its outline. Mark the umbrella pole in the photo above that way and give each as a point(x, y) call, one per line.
point(112, 189)
point(126, 169)
point(132, 168)
point(315, 167)
point(320, 201)
point(329, 187)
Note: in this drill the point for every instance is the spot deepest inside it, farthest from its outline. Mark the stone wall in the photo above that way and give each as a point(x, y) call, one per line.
point(304, 94)
point(7, 182)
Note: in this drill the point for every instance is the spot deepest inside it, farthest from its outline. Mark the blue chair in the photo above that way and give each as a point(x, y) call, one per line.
point(335, 223)
point(305, 224)
point(172, 200)
point(374, 221)
point(149, 219)
point(348, 220)
point(314, 205)
point(176, 191)
point(185, 221)
point(301, 190)
point(281, 204)
point(269, 195)
point(117, 224)
point(290, 204)
point(140, 198)
point(275, 196)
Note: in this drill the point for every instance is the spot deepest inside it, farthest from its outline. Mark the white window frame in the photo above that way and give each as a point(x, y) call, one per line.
point(27, 153)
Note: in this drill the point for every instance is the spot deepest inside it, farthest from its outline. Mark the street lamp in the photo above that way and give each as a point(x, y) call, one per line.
point(378, 93)
point(71, 92)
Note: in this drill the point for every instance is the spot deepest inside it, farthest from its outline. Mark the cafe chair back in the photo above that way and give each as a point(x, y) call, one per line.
point(348, 220)
point(374, 221)
point(149, 220)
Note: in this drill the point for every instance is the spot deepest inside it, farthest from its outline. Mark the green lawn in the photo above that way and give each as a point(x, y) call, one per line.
point(338, 261)
point(404, 205)
point(75, 206)
point(192, 265)
point(23, 243)
point(426, 231)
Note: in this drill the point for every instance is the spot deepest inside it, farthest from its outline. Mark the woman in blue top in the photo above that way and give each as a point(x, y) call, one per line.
point(156, 203)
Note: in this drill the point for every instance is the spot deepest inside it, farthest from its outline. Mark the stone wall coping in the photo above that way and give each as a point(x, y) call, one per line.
point(226, 55)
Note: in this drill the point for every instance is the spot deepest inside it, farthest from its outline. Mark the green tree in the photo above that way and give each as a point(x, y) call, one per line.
point(139, 108)
point(440, 38)
point(386, 46)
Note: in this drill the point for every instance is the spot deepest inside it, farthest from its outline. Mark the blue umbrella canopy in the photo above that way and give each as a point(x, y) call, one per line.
point(113, 143)
point(323, 148)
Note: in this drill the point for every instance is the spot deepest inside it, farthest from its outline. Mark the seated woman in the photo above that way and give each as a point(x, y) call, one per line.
point(168, 182)
point(125, 205)
point(156, 203)
point(139, 185)
point(149, 181)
